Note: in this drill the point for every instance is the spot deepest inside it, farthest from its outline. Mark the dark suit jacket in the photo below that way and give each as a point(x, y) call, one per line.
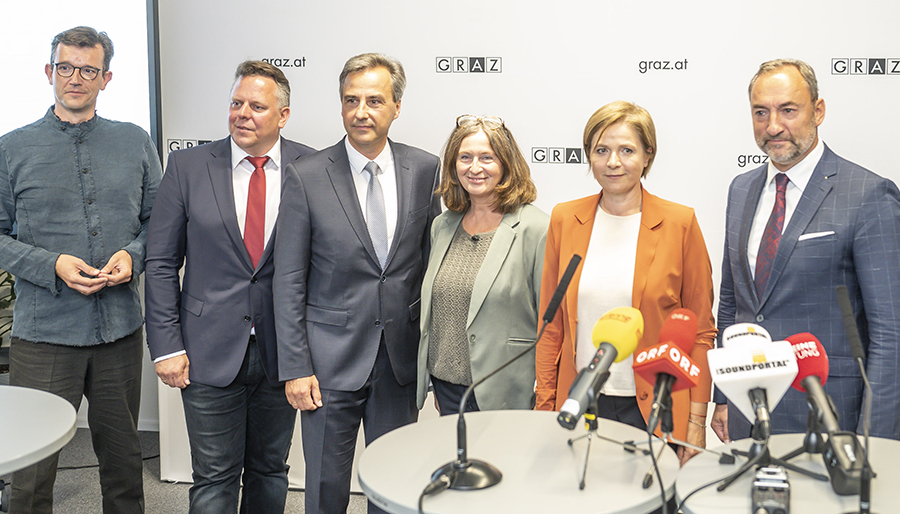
point(845, 230)
point(333, 301)
point(194, 223)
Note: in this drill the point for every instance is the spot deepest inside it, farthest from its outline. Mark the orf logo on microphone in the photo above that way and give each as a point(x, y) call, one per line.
point(664, 351)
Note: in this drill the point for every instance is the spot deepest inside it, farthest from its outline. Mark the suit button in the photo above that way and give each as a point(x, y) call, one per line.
point(253, 280)
point(377, 322)
point(472, 338)
point(383, 278)
point(644, 395)
point(247, 318)
point(760, 318)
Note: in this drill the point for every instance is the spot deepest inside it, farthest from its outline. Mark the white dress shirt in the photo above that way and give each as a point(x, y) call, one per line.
point(798, 176)
point(388, 179)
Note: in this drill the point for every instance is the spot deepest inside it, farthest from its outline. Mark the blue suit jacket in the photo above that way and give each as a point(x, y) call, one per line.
point(845, 230)
point(333, 300)
point(194, 223)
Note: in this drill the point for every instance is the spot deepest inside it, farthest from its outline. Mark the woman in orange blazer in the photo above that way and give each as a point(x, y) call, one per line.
point(670, 269)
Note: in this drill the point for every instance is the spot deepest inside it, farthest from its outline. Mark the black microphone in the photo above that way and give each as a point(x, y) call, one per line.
point(862, 481)
point(469, 474)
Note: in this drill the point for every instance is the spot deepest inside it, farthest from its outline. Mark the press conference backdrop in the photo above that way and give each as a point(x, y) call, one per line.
point(544, 67)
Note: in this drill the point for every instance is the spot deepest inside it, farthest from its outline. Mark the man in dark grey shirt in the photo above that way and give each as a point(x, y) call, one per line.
point(76, 192)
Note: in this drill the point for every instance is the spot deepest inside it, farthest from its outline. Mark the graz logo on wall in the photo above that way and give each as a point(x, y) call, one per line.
point(752, 160)
point(865, 66)
point(468, 64)
point(180, 144)
point(554, 155)
point(286, 62)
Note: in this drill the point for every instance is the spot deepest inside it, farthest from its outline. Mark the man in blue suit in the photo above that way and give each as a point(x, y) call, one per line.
point(350, 256)
point(839, 225)
point(213, 336)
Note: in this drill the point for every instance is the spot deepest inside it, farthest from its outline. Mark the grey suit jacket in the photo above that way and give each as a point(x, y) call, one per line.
point(845, 230)
point(503, 310)
point(209, 314)
point(333, 300)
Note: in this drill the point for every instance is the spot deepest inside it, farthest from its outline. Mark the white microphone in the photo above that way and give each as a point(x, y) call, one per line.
point(754, 375)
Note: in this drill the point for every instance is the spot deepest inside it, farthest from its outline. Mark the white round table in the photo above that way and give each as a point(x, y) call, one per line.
point(33, 425)
point(808, 496)
point(540, 470)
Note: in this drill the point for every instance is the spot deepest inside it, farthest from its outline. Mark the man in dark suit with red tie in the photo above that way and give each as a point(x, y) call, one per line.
point(796, 228)
point(213, 335)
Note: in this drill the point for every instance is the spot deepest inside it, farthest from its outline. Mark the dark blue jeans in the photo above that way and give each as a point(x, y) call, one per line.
point(247, 426)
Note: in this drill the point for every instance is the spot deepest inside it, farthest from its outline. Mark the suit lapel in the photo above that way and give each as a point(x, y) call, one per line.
point(578, 235)
point(493, 261)
point(750, 201)
point(222, 180)
point(404, 177)
point(816, 190)
point(651, 217)
point(339, 173)
point(289, 154)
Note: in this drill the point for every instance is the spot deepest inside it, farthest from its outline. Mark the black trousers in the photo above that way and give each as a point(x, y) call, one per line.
point(109, 376)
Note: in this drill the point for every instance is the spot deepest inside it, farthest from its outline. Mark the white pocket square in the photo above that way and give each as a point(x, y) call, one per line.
point(814, 235)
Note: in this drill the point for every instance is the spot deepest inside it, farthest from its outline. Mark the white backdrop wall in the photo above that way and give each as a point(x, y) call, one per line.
point(549, 66)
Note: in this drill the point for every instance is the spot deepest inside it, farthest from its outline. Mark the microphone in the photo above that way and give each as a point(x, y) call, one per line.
point(616, 335)
point(842, 450)
point(753, 375)
point(744, 334)
point(465, 474)
point(859, 355)
point(668, 365)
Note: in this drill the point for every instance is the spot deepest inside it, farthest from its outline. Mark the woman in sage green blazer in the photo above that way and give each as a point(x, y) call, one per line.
point(481, 290)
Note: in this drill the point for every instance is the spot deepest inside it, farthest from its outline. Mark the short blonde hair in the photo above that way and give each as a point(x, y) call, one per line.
point(515, 187)
point(630, 114)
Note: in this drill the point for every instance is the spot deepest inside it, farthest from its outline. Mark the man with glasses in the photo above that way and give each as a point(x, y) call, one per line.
point(76, 192)
point(350, 251)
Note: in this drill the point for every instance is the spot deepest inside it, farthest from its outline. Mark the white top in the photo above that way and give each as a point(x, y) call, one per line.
point(798, 177)
point(388, 179)
point(607, 278)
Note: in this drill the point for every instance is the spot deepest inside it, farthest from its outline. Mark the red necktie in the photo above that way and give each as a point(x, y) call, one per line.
point(769, 244)
point(255, 223)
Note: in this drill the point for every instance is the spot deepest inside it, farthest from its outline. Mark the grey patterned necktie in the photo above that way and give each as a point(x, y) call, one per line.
point(376, 219)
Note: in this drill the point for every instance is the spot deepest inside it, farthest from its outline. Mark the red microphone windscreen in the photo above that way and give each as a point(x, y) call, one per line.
point(669, 359)
point(680, 329)
point(811, 359)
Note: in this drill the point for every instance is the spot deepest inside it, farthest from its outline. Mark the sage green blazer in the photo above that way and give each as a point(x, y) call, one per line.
point(503, 311)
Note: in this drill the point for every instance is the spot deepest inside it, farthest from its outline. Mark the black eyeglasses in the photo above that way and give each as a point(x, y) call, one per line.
point(64, 69)
point(493, 122)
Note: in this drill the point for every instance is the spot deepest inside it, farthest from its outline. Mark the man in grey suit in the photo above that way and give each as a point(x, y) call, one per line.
point(350, 253)
point(213, 336)
point(797, 228)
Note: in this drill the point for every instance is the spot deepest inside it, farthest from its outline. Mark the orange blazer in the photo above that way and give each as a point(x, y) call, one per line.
point(672, 270)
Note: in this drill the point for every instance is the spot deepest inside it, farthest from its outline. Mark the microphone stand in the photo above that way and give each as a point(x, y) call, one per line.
point(813, 443)
point(759, 450)
point(859, 355)
point(466, 474)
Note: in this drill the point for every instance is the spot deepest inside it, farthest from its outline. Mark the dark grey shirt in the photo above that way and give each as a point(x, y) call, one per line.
point(84, 190)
